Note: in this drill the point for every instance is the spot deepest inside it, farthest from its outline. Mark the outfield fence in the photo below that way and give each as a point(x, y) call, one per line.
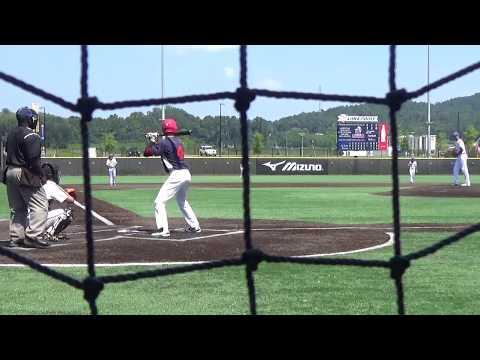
point(259, 166)
point(92, 285)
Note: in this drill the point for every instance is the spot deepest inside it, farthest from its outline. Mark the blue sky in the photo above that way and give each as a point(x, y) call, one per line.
point(134, 72)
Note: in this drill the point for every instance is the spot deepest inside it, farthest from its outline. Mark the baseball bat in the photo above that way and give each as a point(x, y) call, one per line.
point(178, 133)
point(95, 215)
point(183, 132)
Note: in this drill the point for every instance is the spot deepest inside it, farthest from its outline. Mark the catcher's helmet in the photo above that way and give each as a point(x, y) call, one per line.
point(169, 126)
point(27, 116)
point(51, 172)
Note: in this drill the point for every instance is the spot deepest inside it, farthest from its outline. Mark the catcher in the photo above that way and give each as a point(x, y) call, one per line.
point(58, 219)
point(170, 148)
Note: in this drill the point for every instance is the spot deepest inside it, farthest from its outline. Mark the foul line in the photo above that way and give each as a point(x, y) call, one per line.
point(182, 240)
point(388, 243)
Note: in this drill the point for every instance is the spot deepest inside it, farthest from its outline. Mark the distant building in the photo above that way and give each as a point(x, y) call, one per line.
point(419, 144)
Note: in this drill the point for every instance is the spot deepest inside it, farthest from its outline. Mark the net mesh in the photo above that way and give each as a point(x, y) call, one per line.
point(93, 285)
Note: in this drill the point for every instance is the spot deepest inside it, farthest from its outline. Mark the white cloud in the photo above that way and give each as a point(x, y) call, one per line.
point(182, 49)
point(229, 71)
point(269, 84)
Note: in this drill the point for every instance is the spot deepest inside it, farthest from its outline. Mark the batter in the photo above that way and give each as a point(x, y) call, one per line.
point(172, 152)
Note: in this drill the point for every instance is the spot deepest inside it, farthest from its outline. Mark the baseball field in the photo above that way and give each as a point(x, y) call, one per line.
point(349, 216)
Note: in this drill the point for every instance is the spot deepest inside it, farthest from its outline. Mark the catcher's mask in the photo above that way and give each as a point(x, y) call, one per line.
point(27, 116)
point(51, 172)
point(169, 126)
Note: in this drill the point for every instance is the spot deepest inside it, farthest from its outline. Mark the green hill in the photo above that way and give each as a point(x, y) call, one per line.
point(319, 127)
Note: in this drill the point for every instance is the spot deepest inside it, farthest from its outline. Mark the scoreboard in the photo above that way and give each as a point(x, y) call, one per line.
point(357, 133)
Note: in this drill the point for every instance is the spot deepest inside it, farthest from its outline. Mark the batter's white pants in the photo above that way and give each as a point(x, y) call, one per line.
point(412, 176)
point(177, 185)
point(112, 174)
point(461, 164)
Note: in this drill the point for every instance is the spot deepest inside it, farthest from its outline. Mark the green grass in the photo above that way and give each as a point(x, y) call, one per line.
point(445, 283)
point(425, 179)
point(350, 205)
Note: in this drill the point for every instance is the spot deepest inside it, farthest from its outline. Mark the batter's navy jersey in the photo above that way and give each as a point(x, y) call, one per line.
point(172, 152)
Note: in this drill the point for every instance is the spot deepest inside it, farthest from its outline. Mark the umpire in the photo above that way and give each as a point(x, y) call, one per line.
point(24, 178)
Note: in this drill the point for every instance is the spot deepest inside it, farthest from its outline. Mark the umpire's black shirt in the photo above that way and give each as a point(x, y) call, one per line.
point(23, 148)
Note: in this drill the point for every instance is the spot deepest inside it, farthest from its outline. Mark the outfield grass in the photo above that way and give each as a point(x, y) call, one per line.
point(327, 205)
point(445, 283)
point(425, 179)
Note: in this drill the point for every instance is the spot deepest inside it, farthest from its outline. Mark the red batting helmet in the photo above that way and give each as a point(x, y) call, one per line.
point(169, 126)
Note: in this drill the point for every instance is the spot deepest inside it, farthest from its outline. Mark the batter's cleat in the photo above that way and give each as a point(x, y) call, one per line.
point(161, 233)
point(52, 238)
point(190, 229)
point(465, 184)
point(35, 243)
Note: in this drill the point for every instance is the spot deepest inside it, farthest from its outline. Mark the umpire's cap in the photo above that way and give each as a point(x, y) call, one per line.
point(27, 116)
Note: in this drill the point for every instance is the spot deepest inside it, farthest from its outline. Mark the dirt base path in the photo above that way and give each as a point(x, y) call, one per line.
point(130, 240)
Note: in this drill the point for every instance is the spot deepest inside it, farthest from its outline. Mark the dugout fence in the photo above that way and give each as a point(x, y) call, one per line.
point(92, 285)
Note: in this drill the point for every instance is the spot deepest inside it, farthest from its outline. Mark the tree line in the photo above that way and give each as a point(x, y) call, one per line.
point(318, 128)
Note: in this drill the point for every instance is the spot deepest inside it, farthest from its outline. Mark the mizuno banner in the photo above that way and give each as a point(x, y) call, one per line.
point(286, 166)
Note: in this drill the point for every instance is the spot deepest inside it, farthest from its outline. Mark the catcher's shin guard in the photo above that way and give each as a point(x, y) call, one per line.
point(61, 223)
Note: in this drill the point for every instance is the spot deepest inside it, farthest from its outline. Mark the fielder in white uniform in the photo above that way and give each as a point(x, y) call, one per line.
point(170, 148)
point(412, 168)
point(461, 161)
point(111, 165)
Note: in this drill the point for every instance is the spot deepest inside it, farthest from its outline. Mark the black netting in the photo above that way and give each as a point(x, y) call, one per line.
point(92, 285)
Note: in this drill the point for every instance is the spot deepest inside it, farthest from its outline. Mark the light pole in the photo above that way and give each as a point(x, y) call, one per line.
point(428, 100)
point(301, 135)
point(44, 132)
point(313, 143)
point(221, 128)
point(319, 101)
point(163, 86)
point(458, 122)
point(286, 151)
point(3, 141)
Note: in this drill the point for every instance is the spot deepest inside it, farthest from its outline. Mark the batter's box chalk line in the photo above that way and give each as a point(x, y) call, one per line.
point(388, 243)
